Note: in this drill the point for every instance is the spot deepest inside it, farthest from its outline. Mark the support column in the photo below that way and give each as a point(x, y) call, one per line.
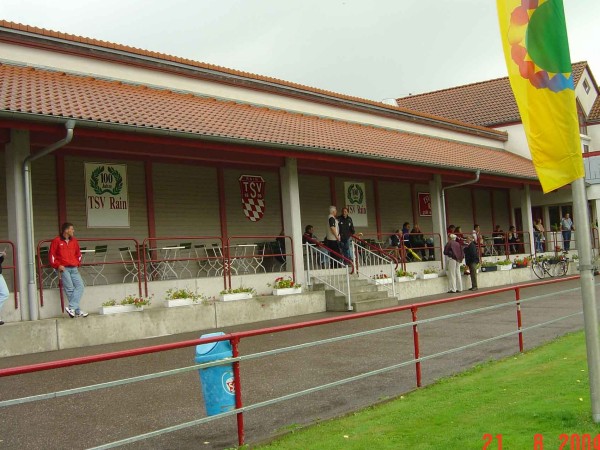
point(437, 210)
point(527, 218)
point(292, 220)
point(16, 152)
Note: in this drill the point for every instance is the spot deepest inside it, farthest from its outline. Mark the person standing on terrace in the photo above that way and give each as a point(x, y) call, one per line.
point(65, 257)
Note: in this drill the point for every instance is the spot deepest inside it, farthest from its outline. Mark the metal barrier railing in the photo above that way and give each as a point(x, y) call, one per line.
point(235, 339)
point(171, 257)
point(49, 278)
point(504, 243)
point(329, 270)
point(273, 252)
point(374, 267)
point(411, 247)
point(11, 256)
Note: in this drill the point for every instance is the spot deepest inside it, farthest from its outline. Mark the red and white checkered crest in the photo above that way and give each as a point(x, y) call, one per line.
point(252, 188)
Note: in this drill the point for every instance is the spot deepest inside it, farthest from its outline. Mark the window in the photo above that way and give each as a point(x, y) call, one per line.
point(582, 121)
point(586, 148)
point(586, 86)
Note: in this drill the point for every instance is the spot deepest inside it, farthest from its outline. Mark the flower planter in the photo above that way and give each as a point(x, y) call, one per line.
point(117, 309)
point(404, 279)
point(172, 303)
point(489, 269)
point(515, 266)
point(505, 267)
point(287, 291)
point(237, 296)
point(427, 276)
point(382, 281)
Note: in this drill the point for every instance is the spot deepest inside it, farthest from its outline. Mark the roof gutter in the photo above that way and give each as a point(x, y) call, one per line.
point(466, 183)
point(31, 287)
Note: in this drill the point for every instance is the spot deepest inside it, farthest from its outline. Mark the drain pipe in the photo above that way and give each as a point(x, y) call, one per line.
point(444, 200)
point(31, 287)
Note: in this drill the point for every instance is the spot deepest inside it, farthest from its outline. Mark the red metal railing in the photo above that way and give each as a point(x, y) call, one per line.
point(13, 267)
point(236, 337)
point(160, 253)
point(44, 266)
point(278, 246)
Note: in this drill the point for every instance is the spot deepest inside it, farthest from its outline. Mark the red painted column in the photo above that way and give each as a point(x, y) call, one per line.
point(413, 197)
point(474, 205)
point(377, 207)
point(61, 191)
point(150, 216)
point(509, 206)
point(332, 192)
point(493, 208)
point(223, 221)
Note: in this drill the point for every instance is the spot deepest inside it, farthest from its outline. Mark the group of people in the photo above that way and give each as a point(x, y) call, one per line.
point(338, 237)
point(414, 241)
point(539, 233)
point(455, 252)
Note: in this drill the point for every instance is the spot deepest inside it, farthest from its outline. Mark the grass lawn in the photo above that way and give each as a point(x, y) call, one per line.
point(544, 391)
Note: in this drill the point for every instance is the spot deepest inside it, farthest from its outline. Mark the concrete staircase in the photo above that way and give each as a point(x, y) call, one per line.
point(365, 296)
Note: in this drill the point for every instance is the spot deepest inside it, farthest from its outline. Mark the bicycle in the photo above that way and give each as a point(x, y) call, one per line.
point(542, 266)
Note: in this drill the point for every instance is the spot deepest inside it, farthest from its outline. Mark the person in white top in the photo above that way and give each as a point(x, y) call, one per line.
point(332, 240)
point(566, 226)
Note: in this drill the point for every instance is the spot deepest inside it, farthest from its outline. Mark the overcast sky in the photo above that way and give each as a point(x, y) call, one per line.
point(372, 49)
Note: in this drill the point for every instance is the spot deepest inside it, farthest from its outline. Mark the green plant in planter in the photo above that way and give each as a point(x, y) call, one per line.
point(504, 262)
point(403, 273)
point(174, 294)
point(575, 257)
point(429, 270)
point(111, 302)
point(238, 290)
point(488, 264)
point(284, 283)
point(135, 300)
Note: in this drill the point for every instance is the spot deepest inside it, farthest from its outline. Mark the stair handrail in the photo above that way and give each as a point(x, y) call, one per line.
point(329, 251)
point(378, 250)
point(320, 265)
point(366, 259)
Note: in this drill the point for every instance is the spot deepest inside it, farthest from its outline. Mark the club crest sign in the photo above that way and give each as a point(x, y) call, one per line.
point(252, 189)
point(106, 196)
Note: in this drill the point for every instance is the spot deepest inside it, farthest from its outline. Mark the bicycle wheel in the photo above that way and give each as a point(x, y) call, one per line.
point(547, 268)
point(560, 269)
point(538, 270)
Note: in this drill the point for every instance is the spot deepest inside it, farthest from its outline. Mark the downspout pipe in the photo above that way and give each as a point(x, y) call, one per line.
point(31, 287)
point(465, 183)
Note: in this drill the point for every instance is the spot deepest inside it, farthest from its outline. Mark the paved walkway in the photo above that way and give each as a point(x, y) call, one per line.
point(95, 418)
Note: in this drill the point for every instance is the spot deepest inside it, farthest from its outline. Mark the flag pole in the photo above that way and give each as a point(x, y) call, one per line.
point(588, 292)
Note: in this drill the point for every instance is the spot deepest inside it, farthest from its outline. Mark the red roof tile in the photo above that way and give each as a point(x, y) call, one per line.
point(487, 103)
point(54, 94)
point(200, 65)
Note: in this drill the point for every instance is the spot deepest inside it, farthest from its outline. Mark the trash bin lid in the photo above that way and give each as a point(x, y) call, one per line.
point(203, 349)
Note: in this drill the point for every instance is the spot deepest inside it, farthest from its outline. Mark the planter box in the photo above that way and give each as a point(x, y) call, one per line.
point(382, 280)
point(232, 297)
point(287, 291)
point(117, 309)
point(514, 266)
point(489, 269)
point(178, 302)
point(505, 267)
point(404, 279)
point(427, 276)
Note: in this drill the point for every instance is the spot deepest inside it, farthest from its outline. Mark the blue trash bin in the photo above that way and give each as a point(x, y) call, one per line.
point(217, 382)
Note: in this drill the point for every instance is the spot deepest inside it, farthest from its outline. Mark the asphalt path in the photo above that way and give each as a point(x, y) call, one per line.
point(93, 418)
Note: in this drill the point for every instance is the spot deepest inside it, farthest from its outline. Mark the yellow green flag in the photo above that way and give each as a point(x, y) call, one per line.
point(536, 48)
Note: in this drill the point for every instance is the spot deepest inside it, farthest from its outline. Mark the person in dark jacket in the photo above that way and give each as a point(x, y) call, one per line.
point(347, 230)
point(471, 260)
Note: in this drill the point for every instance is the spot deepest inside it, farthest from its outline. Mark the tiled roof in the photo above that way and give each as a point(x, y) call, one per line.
point(74, 39)
point(487, 103)
point(594, 115)
point(58, 95)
